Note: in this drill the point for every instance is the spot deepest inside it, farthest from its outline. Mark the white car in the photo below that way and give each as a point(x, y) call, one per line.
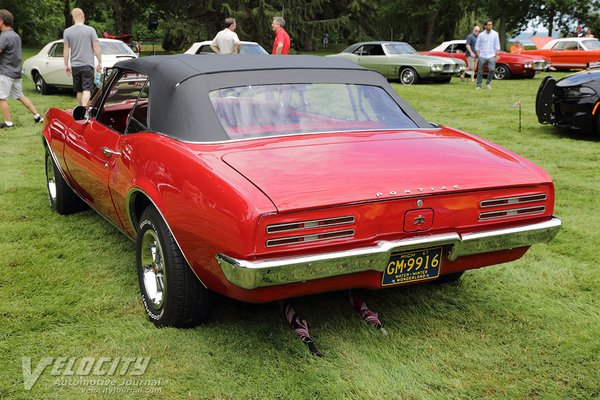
point(47, 68)
point(252, 48)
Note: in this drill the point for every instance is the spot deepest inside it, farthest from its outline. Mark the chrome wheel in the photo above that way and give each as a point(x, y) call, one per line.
point(40, 84)
point(171, 293)
point(153, 269)
point(50, 180)
point(501, 72)
point(408, 76)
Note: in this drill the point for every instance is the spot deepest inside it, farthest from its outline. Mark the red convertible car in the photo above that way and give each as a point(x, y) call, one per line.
point(282, 177)
point(508, 65)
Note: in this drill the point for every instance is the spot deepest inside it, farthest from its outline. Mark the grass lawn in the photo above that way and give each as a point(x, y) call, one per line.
point(525, 330)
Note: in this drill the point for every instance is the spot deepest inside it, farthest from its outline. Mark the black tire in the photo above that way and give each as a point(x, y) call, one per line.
point(408, 76)
point(40, 84)
point(171, 293)
point(502, 72)
point(62, 198)
point(448, 278)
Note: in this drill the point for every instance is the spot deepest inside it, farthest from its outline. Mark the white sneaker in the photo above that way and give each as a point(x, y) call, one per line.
point(478, 87)
point(489, 87)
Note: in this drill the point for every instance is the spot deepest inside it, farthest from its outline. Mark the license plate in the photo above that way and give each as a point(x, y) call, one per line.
point(412, 266)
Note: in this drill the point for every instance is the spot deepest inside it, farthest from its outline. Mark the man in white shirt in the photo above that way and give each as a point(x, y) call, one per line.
point(226, 41)
point(488, 51)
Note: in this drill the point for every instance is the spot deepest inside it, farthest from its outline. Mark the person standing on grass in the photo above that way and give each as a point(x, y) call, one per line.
point(81, 44)
point(470, 54)
point(226, 41)
point(10, 71)
point(488, 51)
point(281, 45)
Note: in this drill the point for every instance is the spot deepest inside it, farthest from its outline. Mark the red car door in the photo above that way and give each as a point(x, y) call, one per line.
point(93, 147)
point(91, 150)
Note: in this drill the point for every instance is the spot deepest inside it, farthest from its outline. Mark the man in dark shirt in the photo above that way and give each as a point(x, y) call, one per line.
point(10, 70)
point(470, 54)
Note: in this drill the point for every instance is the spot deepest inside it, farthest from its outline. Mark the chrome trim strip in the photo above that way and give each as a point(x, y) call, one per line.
point(252, 274)
point(513, 200)
point(313, 237)
point(346, 221)
point(218, 142)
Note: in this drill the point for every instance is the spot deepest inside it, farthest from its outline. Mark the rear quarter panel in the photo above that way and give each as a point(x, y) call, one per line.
point(208, 206)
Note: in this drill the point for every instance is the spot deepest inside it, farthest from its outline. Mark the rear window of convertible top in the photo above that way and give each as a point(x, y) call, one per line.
point(283, 109)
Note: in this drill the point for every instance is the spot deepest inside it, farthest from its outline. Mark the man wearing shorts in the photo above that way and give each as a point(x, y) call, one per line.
point(10, 70)
point(81, 41)
point(470, 54)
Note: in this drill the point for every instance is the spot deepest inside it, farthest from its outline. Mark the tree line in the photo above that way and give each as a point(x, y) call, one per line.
point(182, 22)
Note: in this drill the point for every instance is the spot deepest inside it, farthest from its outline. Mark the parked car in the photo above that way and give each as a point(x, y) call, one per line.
point(508, 66)
point(399, 60)
point(282, 177)
point(571, 102)
point(47, 68)
point(570, 53)
point(245, 48)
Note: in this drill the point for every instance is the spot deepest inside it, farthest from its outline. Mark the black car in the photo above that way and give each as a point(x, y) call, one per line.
point(572, 102)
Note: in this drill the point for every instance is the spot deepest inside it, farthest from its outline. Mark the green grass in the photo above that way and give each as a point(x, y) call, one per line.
point(527, 329)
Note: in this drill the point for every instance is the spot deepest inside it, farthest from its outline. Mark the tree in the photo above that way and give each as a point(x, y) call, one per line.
point(421, 24)
point(37, 21)
point(509, 16)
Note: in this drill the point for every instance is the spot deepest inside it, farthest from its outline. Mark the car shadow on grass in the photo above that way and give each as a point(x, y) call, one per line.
point(563, 133)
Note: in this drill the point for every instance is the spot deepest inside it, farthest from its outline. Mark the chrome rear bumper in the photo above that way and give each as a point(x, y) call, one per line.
point(253, 274)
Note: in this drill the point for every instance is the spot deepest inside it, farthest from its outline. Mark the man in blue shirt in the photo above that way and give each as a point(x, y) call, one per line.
point(488, 51)
point(470, 54)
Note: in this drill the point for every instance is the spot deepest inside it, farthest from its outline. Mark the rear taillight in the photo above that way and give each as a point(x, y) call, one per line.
point(298, 232)
point(513, 206)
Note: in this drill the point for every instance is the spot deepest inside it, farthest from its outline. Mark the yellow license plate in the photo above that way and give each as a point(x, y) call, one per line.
point(412, 266)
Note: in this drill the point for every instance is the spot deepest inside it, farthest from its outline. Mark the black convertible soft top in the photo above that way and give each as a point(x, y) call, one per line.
point(177, 68)
point(179, 104)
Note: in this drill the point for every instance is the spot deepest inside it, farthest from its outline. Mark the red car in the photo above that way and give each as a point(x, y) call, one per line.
point(508, 66)
point(570, 53)
point(282, 177)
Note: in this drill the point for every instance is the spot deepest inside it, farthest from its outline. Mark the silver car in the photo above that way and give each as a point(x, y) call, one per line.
point(47, 68)
point(399, 60)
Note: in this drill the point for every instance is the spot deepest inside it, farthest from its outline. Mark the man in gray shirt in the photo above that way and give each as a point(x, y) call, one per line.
point(10, 70)
point(81, 44)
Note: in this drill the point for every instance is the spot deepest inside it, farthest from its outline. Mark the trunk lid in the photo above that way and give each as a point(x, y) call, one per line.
point(300, 174)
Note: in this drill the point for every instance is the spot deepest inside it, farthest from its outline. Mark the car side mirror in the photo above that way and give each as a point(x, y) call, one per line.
point(80, 113)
